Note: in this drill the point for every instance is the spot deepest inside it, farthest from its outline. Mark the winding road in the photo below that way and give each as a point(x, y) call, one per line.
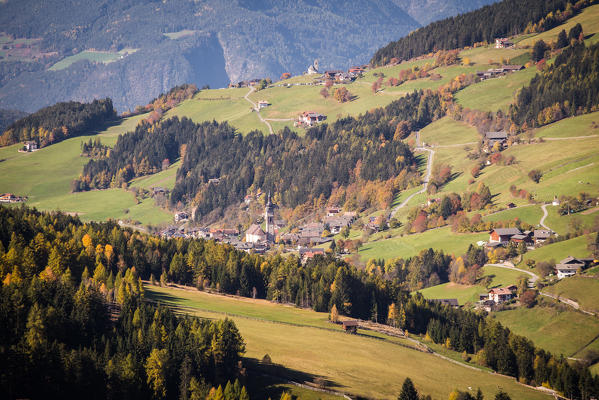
point(255, 106)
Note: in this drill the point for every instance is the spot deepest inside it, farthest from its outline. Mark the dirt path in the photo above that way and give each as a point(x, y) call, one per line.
point(571, 138)
point(567, 301)
point(257, 110)
point(508, 265)
point(542, 221)
point(427, 177)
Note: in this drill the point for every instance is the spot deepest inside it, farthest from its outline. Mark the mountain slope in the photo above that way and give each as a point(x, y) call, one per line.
point(153, 46)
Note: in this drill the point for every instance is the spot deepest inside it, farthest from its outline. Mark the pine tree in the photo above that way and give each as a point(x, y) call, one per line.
point(408, 391)
point(562, 40)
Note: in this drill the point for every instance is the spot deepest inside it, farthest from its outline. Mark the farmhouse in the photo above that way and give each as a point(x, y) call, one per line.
point(311, 118)
point(332, 74)
point(500, 295)
point(262, 104)
point(522, 238)
point(503, 235)
point(496, 137)
point(11, 198)
point(503, 43)
point(255, 234)
point(306, 254)
point(30, 145)
point(569, 266)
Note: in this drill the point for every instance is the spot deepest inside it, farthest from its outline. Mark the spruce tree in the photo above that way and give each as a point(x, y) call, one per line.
point(408, 391)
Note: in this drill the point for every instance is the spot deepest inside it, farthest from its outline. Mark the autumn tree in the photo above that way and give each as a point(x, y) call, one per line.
point(156, 367)
point(538, 50)
point(324, 92)
point(535, 175)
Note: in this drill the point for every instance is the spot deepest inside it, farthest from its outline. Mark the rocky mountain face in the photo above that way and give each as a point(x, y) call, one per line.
point(211, 42)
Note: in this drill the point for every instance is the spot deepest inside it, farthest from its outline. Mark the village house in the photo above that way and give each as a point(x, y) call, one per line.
point(501, 295)
point(569, 266)
point(30, 145)
point(522, 238)
point(541, 235)
point(11, 198)
point(496, 137)
point(181, 216)
point(255, 234)
point(503, 43)
point(311, 118)
point(503, 235)
point(333, 211)
point(262, 104)
point(308, 253)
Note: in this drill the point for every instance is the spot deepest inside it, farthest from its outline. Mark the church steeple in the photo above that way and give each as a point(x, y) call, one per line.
point(269, 216)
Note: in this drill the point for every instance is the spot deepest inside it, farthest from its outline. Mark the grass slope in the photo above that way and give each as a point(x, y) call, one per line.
point(576, 247)
point(410, 245)
point(104, 57)
point(469, 293)
point(576, 126)
point(45, 176)
point(582, 289)
point(447, 131)
point(560, 331)
point(357, 364)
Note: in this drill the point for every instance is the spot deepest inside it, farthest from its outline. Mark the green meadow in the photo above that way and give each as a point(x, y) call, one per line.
point(582, 125)
point(558, 330)
point(104, 57)
point(582, 289)
point(557, 251)
point(448, 132)
point(366, 365)
point(500, 277)
point(45, 176)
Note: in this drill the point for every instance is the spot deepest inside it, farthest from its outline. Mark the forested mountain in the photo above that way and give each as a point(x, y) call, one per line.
point(427, 11)
point(60, 121)
point(505, 18)
point(297, 169)
point(214, 42)
point(60, 336)
point(7, 117)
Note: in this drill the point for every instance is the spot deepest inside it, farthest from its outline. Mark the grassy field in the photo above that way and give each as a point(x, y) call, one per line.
point(165, 179)
point(576, 247)
point(104, 57)
point(560, 331)
point(489, 54)
point(530, 214)
point(179, 34)
point(410, 245)
point(469, 293)
point(495, 94)
point(45, 177)
point(588, 18)
point(561, 223)
point(581, 125)
point(447, 131)
point(583, 290)
point(369, 366)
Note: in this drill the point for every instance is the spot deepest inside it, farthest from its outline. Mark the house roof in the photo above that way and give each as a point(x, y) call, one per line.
point(541, 234)
point(568, 267)
point(519, 237)
point(350, 323)
point(507, 231)
point(496, 135)
point(500, 291)
point(515, 67)
point(255, 230)
point(571, 260)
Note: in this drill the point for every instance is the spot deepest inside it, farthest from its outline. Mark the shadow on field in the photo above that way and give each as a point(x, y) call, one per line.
point(270, 380)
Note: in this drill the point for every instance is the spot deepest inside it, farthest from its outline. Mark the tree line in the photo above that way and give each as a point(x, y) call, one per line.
point(54, 247)
point(58, 122)
point(505, 18)
point(567, 88)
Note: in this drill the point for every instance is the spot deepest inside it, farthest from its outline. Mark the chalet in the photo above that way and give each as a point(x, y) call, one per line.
point(30, 145)
point(255, 234)
point(503, 43)
point(447, 302)
point(541, 235)
point(356, 70)
point(569, 266)
point(496, 137)
point(500, 295)
point(503, 235)
point(350, 326)
point(262, 104)
point(338, 223)
point(181, 216)
point(311, 118)
point(11, 198)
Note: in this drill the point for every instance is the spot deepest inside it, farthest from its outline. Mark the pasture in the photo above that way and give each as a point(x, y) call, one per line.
point(104, 57)
point(500, 277)
point(362, 365)
point(582, 289)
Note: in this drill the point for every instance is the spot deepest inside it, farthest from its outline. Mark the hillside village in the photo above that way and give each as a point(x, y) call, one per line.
point(493, 217)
